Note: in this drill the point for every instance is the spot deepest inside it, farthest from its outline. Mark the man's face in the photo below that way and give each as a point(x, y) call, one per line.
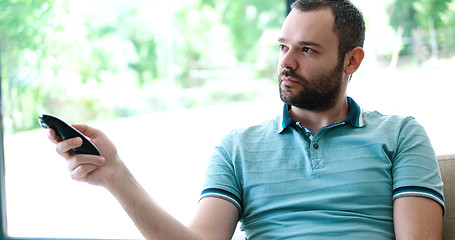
point(309, 71)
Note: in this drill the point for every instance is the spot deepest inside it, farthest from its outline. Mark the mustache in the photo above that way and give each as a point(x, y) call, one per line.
point(287, 72)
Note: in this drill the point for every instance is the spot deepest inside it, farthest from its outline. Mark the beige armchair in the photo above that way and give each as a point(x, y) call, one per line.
point(447, 166)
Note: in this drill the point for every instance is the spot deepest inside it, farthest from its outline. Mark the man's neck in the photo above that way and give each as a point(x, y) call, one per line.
point(317, 120)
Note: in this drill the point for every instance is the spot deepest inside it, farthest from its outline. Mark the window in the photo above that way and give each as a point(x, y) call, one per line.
point(165, 82)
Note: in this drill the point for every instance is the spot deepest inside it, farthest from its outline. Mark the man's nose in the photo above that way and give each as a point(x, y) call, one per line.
point(289, 60)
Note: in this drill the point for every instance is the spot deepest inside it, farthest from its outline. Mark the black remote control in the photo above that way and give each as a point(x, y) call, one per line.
point(65, 131)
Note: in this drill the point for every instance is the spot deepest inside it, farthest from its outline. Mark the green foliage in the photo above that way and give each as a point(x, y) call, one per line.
point(126, 24)
point(422, 15)
point(448, 17)
point(89, 59)
point(113, 58)
point(219, 34)
point(24, 45)
point(411, 14)
point(247, 20)
point(24, 22)
point(403, 14)
point(430, 9)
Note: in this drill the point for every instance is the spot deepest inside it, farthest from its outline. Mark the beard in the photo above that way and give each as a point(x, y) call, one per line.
point(319, 93)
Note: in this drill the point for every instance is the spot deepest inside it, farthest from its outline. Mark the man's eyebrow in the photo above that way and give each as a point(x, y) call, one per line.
point(303, 43)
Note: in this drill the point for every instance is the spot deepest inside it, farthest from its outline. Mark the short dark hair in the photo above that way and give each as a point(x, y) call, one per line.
point(349, 24)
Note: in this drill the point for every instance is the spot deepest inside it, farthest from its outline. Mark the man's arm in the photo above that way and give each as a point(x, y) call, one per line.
point(417, 218)
point(215, 218)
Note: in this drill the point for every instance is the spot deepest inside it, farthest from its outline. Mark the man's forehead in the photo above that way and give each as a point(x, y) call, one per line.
point(309, 27)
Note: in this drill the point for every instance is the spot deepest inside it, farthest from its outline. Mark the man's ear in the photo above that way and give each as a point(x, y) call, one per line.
point(353, 59)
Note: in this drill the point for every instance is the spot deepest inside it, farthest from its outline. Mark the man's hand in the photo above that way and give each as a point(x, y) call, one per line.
point(96, 170)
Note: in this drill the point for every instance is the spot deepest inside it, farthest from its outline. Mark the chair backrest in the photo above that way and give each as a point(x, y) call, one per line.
point(447, 166)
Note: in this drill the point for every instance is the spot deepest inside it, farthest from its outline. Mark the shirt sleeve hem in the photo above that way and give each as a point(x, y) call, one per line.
point(419, 192)
point(222, 194)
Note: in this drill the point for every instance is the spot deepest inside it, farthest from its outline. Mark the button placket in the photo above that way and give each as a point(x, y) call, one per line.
point(317, 157)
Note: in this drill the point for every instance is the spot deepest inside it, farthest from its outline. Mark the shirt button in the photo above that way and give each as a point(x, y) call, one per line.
point(315, 146)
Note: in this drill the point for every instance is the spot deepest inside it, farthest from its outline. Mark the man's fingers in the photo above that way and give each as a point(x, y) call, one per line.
point(81, 165)
point(53, 136)
point(81, 171)
point(82, 159)
point(87, 131)
point(64, 148)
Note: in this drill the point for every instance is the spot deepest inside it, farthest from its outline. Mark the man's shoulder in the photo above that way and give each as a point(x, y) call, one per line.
point(268, 125)
point(375, 117)
point(255, 132)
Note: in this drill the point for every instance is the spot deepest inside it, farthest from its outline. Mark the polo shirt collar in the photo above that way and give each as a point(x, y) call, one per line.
point(355, 117)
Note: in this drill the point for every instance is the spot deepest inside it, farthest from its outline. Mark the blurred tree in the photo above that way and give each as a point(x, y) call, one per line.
point(403, 14)
point(411, 15)
point(55, 52)
point(247, 20)
point(128, 23)
point(448, 17)
point(429, 13)
point(24, 25)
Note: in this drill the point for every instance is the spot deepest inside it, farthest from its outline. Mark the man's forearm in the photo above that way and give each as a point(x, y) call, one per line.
point(151, 220)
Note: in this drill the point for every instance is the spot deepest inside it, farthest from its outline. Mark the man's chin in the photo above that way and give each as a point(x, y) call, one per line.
point(292, 87)
point(287, 95)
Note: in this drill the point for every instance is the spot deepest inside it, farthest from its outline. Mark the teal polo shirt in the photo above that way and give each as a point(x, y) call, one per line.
point(289, 182)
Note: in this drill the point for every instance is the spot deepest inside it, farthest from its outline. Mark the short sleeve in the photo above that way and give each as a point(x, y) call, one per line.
point(415, 167)
point(220, 178)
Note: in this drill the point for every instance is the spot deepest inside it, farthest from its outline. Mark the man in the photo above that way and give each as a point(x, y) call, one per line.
point(323, 169)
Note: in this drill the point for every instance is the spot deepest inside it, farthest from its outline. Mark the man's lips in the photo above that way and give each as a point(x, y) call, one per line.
point(289, 81)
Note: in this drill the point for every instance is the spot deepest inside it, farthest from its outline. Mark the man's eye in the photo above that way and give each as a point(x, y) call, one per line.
point(282, 47)
point(307, 50)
